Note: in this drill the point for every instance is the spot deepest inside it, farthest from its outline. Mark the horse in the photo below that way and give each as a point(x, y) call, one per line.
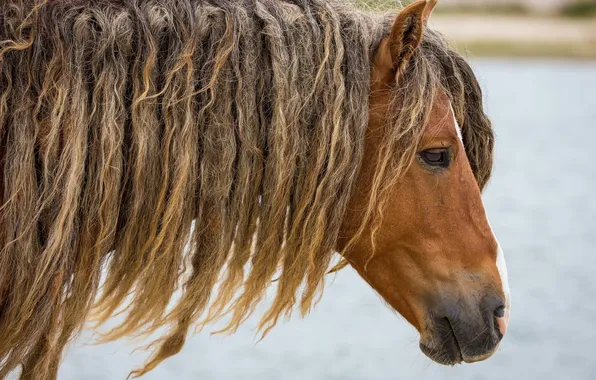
point(169, 161)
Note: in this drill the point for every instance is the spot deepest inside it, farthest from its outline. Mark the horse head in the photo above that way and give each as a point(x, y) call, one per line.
point(433, 256)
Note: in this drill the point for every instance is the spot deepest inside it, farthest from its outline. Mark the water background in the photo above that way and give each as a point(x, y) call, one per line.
point(542, 205)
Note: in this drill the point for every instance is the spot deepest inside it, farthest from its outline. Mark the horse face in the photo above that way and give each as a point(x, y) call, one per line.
point(436, 260)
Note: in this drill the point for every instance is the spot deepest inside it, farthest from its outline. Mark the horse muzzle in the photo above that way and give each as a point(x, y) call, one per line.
point(456, 333)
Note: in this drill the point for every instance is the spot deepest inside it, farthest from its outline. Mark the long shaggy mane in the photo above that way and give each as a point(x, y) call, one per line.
point(201, 148)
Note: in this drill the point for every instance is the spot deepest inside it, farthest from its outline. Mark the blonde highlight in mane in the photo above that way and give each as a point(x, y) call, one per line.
point(150, 148)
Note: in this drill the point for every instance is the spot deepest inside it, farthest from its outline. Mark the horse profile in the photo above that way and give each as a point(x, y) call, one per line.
point(168, 160)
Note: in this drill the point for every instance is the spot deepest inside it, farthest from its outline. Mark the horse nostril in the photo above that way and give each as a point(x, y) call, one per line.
point(499, 312)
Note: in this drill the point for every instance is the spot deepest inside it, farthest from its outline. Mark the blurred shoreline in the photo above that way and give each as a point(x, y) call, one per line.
point(511, 28)
point(527, 36)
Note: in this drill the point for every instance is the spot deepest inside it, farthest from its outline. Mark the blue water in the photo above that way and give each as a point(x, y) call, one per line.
point(542, 205)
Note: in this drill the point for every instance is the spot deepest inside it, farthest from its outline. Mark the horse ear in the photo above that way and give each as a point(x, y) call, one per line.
point(406, 33)
point(430, 5)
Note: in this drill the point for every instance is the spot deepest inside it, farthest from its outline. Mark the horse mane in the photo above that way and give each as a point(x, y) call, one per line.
point(168, 160)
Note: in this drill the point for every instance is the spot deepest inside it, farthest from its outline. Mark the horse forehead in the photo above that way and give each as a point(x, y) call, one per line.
point(442, 122)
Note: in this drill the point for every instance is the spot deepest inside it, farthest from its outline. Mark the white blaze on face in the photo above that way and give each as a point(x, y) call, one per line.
point(501, 266)
point(457, 127)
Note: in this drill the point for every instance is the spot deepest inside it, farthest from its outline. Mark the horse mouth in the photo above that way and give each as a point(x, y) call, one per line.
point(445, 348)
point(442, 345)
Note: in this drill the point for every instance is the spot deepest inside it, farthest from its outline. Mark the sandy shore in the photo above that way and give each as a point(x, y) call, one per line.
point(520, 35)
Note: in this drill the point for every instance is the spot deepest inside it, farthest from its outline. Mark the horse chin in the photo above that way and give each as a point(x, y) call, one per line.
point(445, 352)
point(444, 348)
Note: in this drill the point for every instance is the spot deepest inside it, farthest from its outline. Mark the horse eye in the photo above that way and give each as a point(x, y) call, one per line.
point(435, 157)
